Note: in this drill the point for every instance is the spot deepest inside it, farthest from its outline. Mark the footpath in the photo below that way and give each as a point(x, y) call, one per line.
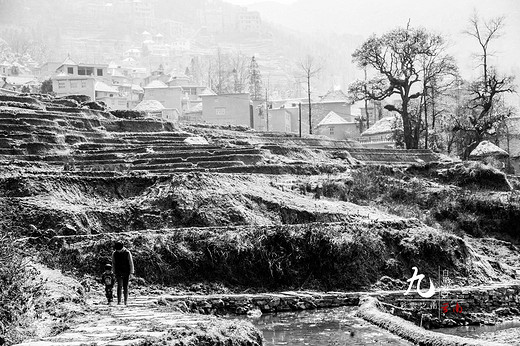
point(120, 325)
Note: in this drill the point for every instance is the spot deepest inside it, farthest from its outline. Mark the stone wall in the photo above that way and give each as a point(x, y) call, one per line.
point(472, 299)
point(483, 299)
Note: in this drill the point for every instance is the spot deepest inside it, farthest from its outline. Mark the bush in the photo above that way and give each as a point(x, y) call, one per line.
point(19, 287)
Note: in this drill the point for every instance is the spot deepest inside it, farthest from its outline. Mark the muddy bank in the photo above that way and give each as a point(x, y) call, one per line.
point(345, 256)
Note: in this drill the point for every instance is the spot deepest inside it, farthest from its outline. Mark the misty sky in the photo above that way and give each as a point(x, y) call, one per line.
point(365, 17)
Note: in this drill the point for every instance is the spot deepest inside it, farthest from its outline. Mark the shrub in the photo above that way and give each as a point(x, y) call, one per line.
point(19, 287)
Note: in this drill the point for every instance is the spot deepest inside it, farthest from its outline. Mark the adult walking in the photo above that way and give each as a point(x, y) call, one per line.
point(123, 267)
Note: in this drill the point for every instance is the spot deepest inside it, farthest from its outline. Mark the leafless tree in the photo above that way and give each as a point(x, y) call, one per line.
point(310, 68)
point(239, 63)
point(487, 90)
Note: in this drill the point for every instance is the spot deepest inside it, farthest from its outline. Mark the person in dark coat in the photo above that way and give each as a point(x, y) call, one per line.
point(123, 267)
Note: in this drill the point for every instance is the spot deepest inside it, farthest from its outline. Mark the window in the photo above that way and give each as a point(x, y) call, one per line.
point(99, 71)
point(61, 85)
point(83, 83)
point(85, 71)
point(70, 70)
point(220, 111)
point(73, 84)
point(331, 130)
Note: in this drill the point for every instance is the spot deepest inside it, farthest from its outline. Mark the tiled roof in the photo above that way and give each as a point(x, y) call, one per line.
point(335, 96)
point(486, 148)
point(100, 86)
point(332, 119)
point(68, 61)
point(156, 84)
point(384, 125)
point(149, 106)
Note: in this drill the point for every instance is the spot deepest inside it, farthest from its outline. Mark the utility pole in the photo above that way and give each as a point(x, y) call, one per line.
point(309, 99)
point(267, 105)
point(300, 116)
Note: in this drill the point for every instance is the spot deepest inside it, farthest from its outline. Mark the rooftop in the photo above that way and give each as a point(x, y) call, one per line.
point(486, 148)
point(100, 86)
point(335, 96)
point(382, 126)
point(156, 84)
point(149, 106)
point(332, 119)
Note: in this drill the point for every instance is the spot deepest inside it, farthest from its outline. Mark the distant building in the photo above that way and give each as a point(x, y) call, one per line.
point(279, 120)
point(155, 109)
point(338, 102)
point(20, 83)
point(193, 115)
point(380, 135)
point(249, 21)
point(47, 70)
point(74, 78)
point(71, 85)
point(110, 96)
point(70, 68)
point(181, 44)
point(169, 96)
point(94, 81)
point(335, 126)
point(334, 101)
point(226, 109)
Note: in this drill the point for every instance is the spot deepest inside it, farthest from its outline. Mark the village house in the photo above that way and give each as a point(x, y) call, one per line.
point(333, 101)
point(380, 135)
point(249, 21)
point(335, 126)
point(155, 109)
point(109, 95)
point(279, 120)
point(169, 96)
point(72, 78)
point(490, 154)
point(226, 109)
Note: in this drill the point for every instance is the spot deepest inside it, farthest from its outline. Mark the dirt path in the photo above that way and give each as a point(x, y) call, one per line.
point(119, 325)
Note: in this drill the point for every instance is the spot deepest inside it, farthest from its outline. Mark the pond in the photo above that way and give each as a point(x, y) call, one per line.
point(335, 326)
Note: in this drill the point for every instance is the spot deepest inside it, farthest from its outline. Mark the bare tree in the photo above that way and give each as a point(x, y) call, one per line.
point(397, 57)
point(487, 90)
point(310, 69)
point(440, 74)
point(240, 72)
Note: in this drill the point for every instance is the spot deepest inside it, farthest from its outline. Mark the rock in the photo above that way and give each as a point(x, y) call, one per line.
point(197, 140)
point(503, 312)
point(449, 323)
point(254, 313)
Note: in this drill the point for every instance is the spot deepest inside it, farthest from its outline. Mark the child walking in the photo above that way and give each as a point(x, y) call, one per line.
point(108, 278)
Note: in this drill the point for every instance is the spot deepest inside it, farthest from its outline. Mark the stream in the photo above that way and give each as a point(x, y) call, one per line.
point(334, 326)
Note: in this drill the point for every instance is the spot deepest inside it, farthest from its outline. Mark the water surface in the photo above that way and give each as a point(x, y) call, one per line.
point(335, 326)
